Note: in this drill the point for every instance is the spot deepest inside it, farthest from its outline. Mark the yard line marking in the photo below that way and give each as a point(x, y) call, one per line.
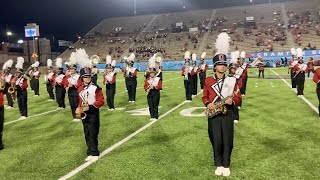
point(294, 90)
point(36, 115)
point(110, 149)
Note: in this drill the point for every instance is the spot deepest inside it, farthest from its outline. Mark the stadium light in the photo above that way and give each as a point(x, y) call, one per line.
point(20, 41)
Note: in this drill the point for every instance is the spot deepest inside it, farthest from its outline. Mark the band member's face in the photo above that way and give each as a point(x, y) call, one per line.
point(221, 68)
point(109, 70)
point(152, 74)
point(72, 71)
point(49, 70)
point(18, 74)
point(233, 70)
point(187, 64)
point(86, 79)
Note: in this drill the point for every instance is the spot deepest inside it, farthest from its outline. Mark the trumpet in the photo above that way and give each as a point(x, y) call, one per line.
point(81, 114)
point(2, 85)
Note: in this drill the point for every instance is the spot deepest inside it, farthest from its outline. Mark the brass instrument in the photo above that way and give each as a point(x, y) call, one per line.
point(94, 60)
point(81, 114)
point(12, 90)
point(2, 85)
point(220, 107)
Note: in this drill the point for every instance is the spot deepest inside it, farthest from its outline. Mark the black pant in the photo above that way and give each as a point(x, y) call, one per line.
point(261, 71)
point(236, 112)
point(22, 102)
point(91, 126)
point(318, 94)
point(50, 91)
point(312, 70)
point(244, 85)
point(36, 86)
point(202, 77)
point(32, 83)
point(131, 87)
point(73, 100)
point(60, 95)
point(194, 84)
point(300, 78)
point(293, 80)
point(220, 129)
point(187, 87)
point(153, 102)
point(110, 92)
point(1, 125)
point(94, 79)
point(9, 97)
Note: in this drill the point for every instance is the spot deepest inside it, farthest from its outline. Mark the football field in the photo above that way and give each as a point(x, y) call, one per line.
point(278, 136)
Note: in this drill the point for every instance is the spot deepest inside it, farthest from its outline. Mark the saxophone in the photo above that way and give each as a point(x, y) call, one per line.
point(2, 87)
point(220, 108)
point(12, 89)
point(82, 115)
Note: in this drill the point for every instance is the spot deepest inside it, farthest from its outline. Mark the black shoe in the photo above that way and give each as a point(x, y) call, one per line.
point(1, 147)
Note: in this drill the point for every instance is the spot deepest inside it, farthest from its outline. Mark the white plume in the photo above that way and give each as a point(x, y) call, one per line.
point(7, 64)
point(72, 59)
point(59, 63)
point(299, 52)
point(234, 57)
point(293, 51)
point(194, 56)
point(35, 64)
point(152, 62)
point(108, 59)
point(49, 63)
point(223, 43)
point(203, 55)
point(243, 54)
point(113, 63)
point(187, 55)
point(237, 53)
point(131, 57)
point(20, 61)
point(82, 58)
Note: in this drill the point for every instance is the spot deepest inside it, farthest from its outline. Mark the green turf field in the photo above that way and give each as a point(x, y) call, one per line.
point(278, 137)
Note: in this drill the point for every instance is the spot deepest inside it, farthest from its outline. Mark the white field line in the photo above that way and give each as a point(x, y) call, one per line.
point(36, 115)
point(110, 149)
point(294, 90)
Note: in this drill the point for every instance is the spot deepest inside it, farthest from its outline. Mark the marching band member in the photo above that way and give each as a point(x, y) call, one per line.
point(36, 76)
point(8, 77)
point(152, 86)
point(2, 92)
point(261, 69)
point(316, 79)
point(130, 74)
point(31, 80)
point(203, 69)
point(186, 74)
point(90, 100)
point(194, 76)
point(109, 80)
point(94, 71)
point(310, 66)
point(60, 90)
point(244, 78)
point(300, 70)
point(71, 82)
point(49, 79)
point(147, 71)
point(223, 88)
point(292, 63)
point(21, 88)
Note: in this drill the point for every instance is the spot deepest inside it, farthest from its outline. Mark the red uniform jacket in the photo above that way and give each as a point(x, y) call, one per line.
point(52, 79)
point(261, 67)
point(36, 74)
point(112, 81)
point(205, 68)
point(316, 76)
point(21, 83)
point(134, 74)
point(98, 97)
point(156, 85)
point(1, 98)
point(65, 81)
point(209, 94)
point(184, 69)
point(310, 66)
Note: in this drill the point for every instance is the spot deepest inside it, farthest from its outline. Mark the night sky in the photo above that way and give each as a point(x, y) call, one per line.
point(63, 19)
